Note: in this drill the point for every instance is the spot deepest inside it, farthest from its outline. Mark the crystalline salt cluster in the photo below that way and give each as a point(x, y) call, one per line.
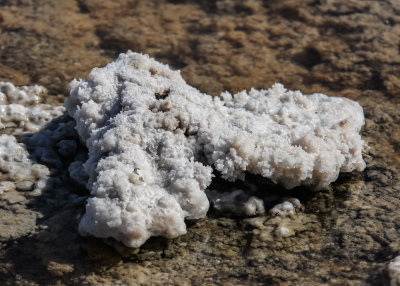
point(154, 141)
point(20, 108)
point(21, 112)
point(15, 166)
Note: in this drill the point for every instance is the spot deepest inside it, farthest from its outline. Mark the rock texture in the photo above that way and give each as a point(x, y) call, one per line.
point(345, 234)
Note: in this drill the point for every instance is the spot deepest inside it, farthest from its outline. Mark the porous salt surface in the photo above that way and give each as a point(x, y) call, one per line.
point(394, 271)
point(15, 164)
point(20, 108)
point(153, 141)
point(21, 113)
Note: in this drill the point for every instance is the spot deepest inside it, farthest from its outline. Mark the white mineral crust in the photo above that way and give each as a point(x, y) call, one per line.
point(21, 113)
point(153, 142)
point(20, 108)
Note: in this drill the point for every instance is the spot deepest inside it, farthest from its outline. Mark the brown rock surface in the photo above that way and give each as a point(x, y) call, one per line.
point(344, 235)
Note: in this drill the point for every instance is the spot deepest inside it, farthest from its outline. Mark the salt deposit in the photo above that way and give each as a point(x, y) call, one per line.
point(20, 108)
point(15, 164)
point(286, 208)
point(21, 112)
point(153, 142)
point(283, 212)
point(237, 202)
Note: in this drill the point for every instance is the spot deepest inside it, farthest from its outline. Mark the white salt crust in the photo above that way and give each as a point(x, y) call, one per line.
point(153, 141)
point(15, 165)
point(21, 112)
point(20, 108)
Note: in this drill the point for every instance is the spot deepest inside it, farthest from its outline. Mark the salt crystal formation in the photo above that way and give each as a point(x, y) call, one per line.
point(15, 165)
point(153, 142)
point(20, 108)
point(20, 112)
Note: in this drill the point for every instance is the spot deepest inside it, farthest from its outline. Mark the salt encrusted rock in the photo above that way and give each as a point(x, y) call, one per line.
point(286, 208)
point(24, 95)
point(15, 165)
point(22, 113)
point(236, 202)
point(153, 141)
point(19, 108)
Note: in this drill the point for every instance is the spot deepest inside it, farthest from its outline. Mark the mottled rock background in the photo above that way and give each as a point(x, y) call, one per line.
point(344, 235)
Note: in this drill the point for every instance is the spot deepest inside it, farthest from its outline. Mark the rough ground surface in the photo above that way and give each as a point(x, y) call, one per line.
point(345, 234)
